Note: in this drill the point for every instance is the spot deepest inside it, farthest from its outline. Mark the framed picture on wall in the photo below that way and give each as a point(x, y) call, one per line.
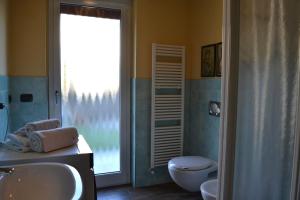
point(208, 61)
point(218, 61)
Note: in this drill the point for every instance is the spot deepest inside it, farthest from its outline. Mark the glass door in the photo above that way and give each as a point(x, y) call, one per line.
point(92, 96)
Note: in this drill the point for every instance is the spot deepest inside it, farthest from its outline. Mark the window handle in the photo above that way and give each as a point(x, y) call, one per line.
point(56, 96)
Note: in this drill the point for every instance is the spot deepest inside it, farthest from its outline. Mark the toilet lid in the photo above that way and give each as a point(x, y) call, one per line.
point(190, 163)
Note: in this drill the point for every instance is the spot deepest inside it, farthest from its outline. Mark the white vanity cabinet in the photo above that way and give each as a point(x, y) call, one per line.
point(79, 156)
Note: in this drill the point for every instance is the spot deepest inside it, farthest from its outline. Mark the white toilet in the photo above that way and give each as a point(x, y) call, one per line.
point(189, 172)
point(209, 189)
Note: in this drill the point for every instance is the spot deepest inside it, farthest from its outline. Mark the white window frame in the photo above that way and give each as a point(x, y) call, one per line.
point(126, 55)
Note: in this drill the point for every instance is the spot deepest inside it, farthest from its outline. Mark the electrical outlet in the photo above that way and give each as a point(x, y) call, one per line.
point(26, 98)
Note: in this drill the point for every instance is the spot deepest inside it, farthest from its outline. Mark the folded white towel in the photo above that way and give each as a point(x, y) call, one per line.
point(21, 132)
point(42, 125)
point(8, 144)
point(19, 140)
point(50, 140)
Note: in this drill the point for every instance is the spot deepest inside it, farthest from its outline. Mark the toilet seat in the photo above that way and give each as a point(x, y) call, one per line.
point(190, 163)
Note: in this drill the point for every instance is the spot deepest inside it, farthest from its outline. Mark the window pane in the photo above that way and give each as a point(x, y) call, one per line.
point(90, 73)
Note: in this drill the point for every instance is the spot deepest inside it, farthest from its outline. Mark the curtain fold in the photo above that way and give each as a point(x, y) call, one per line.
point(268, 84)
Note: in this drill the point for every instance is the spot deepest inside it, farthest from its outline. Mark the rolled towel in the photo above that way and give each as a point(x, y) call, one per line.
point(19, 140)
point(42, 125)
point(8, 144)
point(54, 139)
point(21, 132)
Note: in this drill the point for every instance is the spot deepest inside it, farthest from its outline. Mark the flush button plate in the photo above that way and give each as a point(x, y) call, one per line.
point(214, 108)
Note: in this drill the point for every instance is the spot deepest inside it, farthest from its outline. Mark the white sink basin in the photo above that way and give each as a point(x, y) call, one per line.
point(47, 181)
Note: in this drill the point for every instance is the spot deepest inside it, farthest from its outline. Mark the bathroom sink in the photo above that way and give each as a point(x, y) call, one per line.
point(47, 181)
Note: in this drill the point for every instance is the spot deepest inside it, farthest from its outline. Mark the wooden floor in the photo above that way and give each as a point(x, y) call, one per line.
point(160, 192)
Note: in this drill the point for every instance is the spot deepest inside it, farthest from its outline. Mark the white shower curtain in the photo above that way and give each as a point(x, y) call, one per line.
point(268, 84)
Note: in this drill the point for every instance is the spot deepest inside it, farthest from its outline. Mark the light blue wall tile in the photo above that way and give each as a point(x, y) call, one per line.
point(38, 86)
point(23, 112)
point(132, 128)
point(4, 81)
point(4, 96)
point(187, 115)
point(141, 137)
point(4, 92)
point(201, 133)
point(197, 95)
point(203, 136)
point(20, 112)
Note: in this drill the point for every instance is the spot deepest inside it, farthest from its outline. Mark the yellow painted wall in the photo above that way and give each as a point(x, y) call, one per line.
point(157, 21)
point(27, 37)
point(192, 23)
point(205, 28)
point(3, 37)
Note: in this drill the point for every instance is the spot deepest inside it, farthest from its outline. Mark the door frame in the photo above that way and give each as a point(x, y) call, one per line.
point(126, 55)
point(230, 72)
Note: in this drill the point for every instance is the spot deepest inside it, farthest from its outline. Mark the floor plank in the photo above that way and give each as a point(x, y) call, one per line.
point(159, 192)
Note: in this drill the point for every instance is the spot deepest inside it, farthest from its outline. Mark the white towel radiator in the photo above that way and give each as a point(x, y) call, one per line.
point(167, 117)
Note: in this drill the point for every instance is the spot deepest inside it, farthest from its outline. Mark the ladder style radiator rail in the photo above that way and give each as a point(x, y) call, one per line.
point(167, 116)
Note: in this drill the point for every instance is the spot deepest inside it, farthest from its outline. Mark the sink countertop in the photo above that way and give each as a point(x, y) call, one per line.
point(80, 148)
